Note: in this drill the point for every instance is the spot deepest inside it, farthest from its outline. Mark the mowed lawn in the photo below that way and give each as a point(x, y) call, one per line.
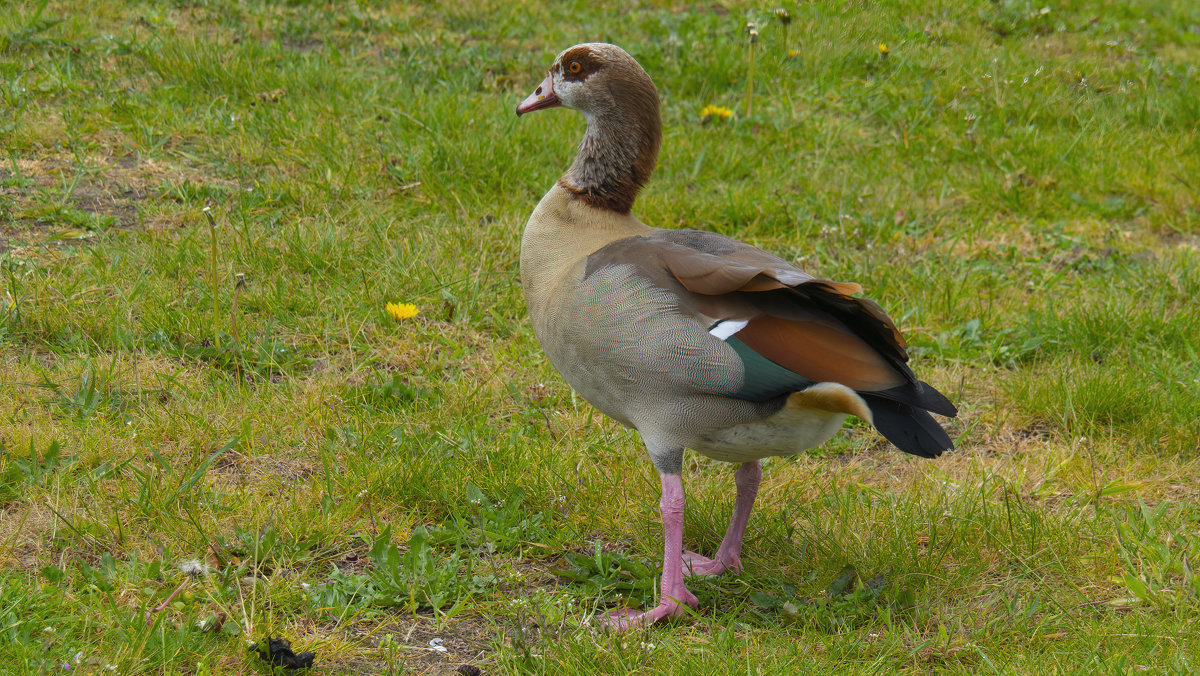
point(212, 431)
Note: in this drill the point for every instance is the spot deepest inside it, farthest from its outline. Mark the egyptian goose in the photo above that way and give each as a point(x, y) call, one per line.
point(694, 339)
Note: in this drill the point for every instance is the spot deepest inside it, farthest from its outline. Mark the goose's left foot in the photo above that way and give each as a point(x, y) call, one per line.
point(729, 555)
point(697, 564)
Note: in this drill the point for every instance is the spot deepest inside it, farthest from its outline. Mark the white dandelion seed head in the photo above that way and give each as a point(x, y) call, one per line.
point(194, 567)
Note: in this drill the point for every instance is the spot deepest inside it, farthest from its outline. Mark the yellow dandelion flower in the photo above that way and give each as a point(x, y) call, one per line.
point(402, 311)
point(711, 111)
point(883, 49)
point(793, 52)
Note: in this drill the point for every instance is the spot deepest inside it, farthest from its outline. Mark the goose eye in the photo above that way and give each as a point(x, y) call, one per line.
point(575, 67)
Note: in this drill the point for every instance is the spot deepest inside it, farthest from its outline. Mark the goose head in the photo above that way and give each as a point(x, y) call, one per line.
point(620, 103)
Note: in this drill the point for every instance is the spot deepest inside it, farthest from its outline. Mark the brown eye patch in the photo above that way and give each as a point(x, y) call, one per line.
point(578, 64)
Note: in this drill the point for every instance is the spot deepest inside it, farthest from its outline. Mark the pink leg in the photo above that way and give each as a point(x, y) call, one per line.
point(728, 556)
point(674, 594)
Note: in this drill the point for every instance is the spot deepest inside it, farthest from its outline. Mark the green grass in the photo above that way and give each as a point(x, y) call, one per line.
point(1019, 188)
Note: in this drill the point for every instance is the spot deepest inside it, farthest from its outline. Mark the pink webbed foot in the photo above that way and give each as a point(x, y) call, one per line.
point(728, 557)
point(628, 618)
point(697, 564)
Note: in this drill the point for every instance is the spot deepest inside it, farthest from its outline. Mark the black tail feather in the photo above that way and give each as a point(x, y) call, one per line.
point(911, 429)
point(919, 394)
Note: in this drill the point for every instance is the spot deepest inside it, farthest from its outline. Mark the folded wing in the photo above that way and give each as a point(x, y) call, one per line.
point(790, 329)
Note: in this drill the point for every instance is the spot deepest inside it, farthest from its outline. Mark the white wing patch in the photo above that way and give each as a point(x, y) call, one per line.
point(727, 327)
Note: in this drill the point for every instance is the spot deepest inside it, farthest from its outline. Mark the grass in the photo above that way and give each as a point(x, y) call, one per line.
point(189, 463)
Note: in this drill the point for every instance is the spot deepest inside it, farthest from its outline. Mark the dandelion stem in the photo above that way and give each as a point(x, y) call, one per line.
point(233, 316)
point(163, 606)
point(785, 19)
point(750, 81)
point(212, 264)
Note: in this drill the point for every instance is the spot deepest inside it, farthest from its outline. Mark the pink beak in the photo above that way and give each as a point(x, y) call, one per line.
point(542, 97)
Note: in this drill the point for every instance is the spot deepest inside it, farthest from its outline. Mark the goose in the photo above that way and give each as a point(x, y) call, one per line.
point(694, 339)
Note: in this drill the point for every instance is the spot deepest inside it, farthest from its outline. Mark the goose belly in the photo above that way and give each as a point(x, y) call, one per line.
point(788, 432)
